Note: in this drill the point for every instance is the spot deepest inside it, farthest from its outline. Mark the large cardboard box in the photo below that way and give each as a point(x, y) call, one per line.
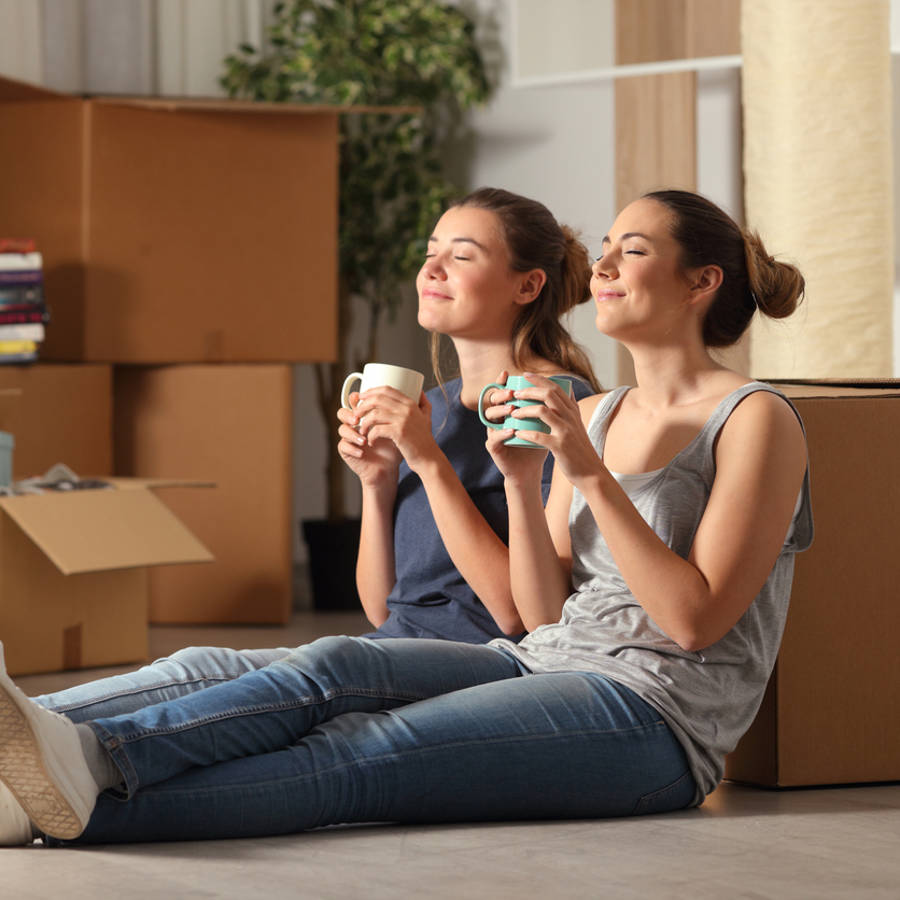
point(73, 582)
point(830, 711)
point(233, 425)
point(58, 414)
point(176, 230)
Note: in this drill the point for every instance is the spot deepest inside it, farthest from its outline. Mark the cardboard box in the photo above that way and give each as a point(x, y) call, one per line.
point(73, 577)
point(232, 424)
point(176, 230)
point(58, 414)
point(829, 714)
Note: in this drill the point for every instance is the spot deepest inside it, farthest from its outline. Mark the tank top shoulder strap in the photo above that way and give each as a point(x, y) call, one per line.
point(701, 454)
point(728, 404)
point(600, 417)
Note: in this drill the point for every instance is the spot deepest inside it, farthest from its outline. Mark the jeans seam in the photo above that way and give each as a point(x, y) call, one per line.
point(143, 689)
point(648, 798)
point(116, 740)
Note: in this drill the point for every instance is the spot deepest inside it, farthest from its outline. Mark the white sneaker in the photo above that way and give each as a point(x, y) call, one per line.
point(42, 763)
point(15, 826)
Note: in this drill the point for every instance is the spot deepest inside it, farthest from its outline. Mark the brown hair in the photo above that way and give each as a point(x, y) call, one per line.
point(752, 279)
point(535, 240)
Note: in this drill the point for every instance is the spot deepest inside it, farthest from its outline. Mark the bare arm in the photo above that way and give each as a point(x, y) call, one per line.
point(539, 545)
point(760, 462)
point(375, 570)
point(481, 558)
point(376, 466)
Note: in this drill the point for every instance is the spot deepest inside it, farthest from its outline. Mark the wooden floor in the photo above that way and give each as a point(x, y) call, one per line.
point(743, 842)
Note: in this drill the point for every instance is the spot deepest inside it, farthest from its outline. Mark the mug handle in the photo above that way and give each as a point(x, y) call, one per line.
point(345, 390)
point(484, 390)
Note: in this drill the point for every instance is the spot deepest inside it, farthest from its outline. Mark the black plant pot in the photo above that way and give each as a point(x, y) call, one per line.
point(333, 547)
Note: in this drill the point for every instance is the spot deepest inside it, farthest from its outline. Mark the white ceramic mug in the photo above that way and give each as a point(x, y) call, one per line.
point(407, 381)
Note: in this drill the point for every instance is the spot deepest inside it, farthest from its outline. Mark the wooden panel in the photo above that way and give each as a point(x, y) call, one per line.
point(649, 30)
point(712, 27)
point(652, 30)
point(655, 134)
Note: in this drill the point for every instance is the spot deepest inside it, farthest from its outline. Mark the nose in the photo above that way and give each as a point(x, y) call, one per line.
point(604, 266)
point(432, 268)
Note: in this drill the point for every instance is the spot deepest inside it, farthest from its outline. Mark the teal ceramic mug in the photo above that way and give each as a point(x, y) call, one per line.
point(519, 383)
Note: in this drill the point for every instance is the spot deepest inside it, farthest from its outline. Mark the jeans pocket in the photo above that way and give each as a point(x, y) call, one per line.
point(677, 795)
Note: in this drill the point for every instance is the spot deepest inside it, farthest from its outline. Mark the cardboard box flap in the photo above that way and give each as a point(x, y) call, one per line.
point(130, 484)
point(12, 91)
point(90, 531)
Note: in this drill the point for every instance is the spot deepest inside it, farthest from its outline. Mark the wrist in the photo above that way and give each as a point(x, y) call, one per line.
point(595, 483)
point(380, 493)
point(432, 466)
point(518, 488)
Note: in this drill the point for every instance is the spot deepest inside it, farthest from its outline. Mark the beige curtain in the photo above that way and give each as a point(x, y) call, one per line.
point(20, 40)
point(818, 179)
point(169, 47)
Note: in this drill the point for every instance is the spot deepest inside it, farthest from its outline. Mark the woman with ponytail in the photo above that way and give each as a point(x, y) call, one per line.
point(653, 586)
point(498, 275)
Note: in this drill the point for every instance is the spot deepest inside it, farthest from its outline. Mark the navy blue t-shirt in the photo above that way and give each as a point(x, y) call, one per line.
point(430, 598)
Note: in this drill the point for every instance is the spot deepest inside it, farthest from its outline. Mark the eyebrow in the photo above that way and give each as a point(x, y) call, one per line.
point(628, 234)
point(461, 240)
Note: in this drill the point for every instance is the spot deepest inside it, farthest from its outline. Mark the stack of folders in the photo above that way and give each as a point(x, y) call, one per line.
point(23, 312)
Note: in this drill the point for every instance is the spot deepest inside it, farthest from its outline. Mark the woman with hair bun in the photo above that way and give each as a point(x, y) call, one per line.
point(654, 588)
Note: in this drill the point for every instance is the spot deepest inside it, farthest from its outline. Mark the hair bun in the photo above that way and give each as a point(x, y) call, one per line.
point(777, 287)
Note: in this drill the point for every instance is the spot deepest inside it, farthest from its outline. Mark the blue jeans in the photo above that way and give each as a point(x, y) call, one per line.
point(184, 672)
point(408, 730)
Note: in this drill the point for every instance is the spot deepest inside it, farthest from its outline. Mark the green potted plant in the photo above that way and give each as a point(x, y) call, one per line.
point(419, 54)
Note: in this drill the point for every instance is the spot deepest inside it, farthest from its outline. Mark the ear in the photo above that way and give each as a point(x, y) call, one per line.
point(530, 286)
point(704, 283)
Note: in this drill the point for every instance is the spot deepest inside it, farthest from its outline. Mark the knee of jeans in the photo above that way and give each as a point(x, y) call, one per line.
point(201, 662)
point(323, 653)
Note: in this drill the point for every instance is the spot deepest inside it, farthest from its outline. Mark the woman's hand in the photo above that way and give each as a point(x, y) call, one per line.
point(515, 463)
point(568, 441)
point(374, 464)
point(385, 415)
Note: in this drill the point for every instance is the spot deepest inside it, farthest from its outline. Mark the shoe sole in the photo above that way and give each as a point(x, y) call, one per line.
point(25, 772)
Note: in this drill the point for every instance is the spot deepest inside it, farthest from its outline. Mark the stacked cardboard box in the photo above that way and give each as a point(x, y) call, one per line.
point(232, 424)
point(197, 233)
point(828, 714)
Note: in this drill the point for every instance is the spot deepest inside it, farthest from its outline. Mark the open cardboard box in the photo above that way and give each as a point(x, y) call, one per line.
point(176, 230)
point(73, 577)
point(829, 715)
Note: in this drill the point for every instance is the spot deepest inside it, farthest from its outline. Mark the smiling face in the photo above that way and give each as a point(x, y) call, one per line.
point(466, 285)
point(638, 283)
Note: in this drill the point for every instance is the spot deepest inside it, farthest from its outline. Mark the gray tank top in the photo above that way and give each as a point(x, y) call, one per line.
point(708, 698)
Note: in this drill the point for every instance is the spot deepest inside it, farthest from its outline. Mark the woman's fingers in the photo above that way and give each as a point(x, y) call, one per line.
point(350, 435)
point(498, 413)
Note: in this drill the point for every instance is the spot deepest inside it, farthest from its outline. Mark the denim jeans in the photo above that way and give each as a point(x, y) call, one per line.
point(404, 730)
point(184, 672)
